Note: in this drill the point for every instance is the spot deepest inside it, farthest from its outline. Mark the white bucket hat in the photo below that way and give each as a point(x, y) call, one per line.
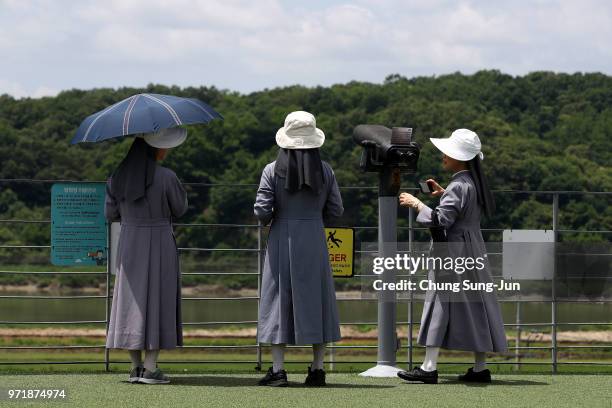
point(463, 145)
point(166, 138)
point(300, 132)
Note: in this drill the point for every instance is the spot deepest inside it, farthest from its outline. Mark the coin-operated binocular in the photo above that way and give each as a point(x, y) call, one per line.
point(384, 147)
point(388, 152)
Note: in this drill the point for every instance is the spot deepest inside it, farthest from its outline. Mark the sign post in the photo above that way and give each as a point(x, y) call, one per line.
point(341, 248)
point(78, 227)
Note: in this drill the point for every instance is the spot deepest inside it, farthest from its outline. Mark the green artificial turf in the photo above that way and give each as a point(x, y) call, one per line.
point(344, 390)
point(233, 361)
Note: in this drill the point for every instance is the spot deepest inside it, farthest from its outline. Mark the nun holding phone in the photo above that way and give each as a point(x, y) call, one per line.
point(297, 192)
point(469, 320)
point(146, 309)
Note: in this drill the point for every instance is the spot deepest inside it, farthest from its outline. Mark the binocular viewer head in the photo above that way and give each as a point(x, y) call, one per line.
point(385, 148)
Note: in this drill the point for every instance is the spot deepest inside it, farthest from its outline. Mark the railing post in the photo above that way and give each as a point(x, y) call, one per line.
point(259, 263)
point(108, 298)
point(410, 299)
point(517, 342)
point(555, 226)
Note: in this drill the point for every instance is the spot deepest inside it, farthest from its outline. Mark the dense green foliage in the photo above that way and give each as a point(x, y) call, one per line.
point(542, 131)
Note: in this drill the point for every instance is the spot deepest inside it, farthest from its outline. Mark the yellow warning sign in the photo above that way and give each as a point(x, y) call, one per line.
point(340, 244)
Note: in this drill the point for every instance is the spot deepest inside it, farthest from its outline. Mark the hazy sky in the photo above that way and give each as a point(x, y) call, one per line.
point(246, 45)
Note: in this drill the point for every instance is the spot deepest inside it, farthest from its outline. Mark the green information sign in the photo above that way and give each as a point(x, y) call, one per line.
point(78, 226)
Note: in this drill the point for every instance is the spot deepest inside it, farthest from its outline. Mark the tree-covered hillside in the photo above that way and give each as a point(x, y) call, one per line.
point(542, 131)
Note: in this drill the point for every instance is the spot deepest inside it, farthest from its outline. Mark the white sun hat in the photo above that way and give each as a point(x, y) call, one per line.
point(300, 132)
point(166, 138)
point(463, 145)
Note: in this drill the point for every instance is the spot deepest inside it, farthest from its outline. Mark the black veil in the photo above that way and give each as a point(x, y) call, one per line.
point(301, 168)
point(485, 197)
point(135, 173)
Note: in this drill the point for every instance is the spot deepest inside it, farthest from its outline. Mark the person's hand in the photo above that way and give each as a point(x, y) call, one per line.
point(408, 200)
point(437, 189)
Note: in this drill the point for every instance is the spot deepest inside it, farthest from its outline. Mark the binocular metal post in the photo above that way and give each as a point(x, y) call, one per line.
point(387, 152)
point(389, 180)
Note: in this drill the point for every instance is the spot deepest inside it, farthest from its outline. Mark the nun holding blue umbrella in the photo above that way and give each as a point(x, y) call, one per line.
point(145, 197)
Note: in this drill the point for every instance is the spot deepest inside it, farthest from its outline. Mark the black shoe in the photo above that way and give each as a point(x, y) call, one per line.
point(416, 374)
point(483, 376)
point(316, 378)
point(273, 379)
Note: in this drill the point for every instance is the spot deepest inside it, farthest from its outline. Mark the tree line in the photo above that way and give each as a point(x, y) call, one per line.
point(541, 131)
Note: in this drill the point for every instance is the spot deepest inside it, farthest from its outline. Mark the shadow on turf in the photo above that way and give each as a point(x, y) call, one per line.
point(219, 381)
point(493, 382)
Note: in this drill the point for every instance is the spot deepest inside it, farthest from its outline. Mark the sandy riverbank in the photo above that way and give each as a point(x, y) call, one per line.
point(348, 332)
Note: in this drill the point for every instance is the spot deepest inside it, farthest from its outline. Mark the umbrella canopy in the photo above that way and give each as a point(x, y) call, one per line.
point(143, 113)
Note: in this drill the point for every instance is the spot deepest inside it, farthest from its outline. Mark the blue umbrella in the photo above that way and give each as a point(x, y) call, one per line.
point(143, 113)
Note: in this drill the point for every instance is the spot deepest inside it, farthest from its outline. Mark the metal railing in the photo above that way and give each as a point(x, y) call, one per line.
point(260, 251)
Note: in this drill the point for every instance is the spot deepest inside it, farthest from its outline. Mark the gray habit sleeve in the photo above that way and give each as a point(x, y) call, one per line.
point(445, 214)
point(264, 202)
point(111, 208)
point(333, 206)
point(177, 197)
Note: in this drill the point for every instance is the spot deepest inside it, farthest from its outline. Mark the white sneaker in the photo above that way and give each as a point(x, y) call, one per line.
point(154, 377)
point(135, 374)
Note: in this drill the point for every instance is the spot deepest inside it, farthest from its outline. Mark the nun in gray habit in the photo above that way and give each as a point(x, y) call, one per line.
point(297, 193)
point(471, 319)
point(146, 308)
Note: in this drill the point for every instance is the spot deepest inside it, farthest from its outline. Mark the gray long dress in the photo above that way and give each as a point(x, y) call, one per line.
point(471, 320)
point(146, 309)
point(298, 300)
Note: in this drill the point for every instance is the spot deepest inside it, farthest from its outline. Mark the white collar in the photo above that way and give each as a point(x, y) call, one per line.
point(459, 172)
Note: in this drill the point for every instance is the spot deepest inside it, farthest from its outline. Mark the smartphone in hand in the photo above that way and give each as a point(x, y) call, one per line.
point(425, 187)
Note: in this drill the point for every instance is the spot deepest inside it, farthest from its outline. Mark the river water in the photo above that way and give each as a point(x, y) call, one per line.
point(360, 311)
